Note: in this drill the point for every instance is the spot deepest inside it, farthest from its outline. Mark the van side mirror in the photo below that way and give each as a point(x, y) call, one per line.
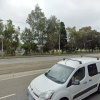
point(77, 82)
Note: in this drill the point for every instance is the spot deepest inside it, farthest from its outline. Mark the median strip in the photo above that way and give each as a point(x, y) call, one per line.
point(7, 96)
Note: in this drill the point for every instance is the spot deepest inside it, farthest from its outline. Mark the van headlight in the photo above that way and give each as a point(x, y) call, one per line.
point(46, 96)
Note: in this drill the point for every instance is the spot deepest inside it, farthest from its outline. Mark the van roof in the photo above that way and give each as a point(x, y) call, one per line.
point(76, 62)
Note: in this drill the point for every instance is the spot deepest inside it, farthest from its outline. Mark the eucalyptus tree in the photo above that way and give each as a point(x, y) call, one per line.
point(52, 30)
point(27, 38)
point(72, 38)
point(1, 27)
point(37, 21)
point(89, 38)
point(85, 38)
point(11, 39)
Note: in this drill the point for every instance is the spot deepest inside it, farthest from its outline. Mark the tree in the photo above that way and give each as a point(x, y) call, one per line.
point(72, 37)
point(89, 38)
point(63, 37)
point(1, 33)
point(27, 48)
point(11, 39)
point(27, 38)
point(85, 38)
point(52, 31)
point(1, 27)
point(47, 47)
point(37, 20)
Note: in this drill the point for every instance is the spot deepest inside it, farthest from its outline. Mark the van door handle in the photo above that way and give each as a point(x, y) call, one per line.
point(90, 80)
point(85, 83)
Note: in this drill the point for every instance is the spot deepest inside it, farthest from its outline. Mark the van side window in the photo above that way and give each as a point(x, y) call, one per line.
point(79, 75)
point(92, 69)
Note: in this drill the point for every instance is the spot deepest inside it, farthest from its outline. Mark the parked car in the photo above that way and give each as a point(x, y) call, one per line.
point(69, 79)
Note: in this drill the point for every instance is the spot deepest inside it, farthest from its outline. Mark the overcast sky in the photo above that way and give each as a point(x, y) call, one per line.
point(77, 13)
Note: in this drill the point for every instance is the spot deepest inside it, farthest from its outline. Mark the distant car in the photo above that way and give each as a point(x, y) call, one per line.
point(69, 79)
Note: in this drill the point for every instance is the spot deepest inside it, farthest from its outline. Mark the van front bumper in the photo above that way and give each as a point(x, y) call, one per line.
point(30, 96)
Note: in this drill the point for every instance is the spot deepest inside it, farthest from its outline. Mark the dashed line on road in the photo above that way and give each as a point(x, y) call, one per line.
point(7, 96)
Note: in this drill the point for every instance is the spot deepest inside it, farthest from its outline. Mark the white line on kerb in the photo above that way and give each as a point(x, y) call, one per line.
point(7, 96)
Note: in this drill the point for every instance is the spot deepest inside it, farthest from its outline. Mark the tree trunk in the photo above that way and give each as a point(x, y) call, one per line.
point(53, 51)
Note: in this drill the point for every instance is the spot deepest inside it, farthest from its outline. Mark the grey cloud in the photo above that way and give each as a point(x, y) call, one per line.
point(77, 13)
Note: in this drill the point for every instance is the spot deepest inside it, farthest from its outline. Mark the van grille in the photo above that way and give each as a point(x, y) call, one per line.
point(36, 94)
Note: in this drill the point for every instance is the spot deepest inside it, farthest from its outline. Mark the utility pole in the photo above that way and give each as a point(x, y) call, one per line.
point(59, 43)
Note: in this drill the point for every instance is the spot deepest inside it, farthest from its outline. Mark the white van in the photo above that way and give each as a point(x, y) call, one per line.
point(69, 79)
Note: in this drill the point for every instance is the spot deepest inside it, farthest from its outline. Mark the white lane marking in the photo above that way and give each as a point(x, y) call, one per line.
point(19, 76)
point(39, 72)
point(7, 96)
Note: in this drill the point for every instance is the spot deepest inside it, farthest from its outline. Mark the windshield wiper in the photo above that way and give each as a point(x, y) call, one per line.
point(53, 78)
point(58, 81)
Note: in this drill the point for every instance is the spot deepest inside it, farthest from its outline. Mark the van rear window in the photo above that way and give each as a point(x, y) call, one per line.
point(92, 69)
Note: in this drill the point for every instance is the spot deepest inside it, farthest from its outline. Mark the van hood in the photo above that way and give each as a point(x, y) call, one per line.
point(43, 84)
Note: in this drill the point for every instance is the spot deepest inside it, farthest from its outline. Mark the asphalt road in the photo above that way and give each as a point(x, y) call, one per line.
point(16, 88)
point(16, 65)
point(16, 75)
point(45, 58)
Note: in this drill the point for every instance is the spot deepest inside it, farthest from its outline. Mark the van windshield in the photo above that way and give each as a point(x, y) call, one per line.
point(59, 73)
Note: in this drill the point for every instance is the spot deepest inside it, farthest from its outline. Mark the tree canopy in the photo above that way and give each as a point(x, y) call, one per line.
point(11, 39)
point(43, 35)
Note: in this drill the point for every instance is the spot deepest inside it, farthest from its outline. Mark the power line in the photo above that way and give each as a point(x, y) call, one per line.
point(27, 23)
point(14, 21)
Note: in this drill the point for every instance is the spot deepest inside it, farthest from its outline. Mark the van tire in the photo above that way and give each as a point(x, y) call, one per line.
point(99, 88)
point(64, 99)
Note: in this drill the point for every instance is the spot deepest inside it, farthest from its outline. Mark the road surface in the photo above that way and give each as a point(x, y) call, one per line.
point(16, 75)
point(15, 87)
